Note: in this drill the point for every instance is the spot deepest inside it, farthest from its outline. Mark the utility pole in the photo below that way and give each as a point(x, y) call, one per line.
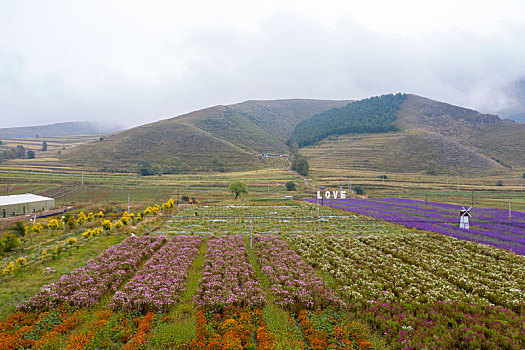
point(82, 177)
point(510, 213)
point(472, 202)
point(251, 231)
point(458, 183)
point(128, 203)
point(177, 196)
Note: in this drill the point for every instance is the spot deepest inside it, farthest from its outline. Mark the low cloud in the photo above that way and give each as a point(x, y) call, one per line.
point(72, 65)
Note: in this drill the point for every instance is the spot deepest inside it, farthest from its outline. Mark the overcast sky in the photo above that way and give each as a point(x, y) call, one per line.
point(134, 62)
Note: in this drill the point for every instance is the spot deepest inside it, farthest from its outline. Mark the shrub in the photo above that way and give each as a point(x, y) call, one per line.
point(90, 217)
point(359, 190)
point(106, 224)
point(37, 228)
point(9, 269)
point(21, 261)
point(499, 183)
point(81, 218)
point(118, 224)
point(10, 242)
point(71, 240)
point(44, 254)
point(71, 223)
point(100, 214)
point(290, 186)
point(53, 224)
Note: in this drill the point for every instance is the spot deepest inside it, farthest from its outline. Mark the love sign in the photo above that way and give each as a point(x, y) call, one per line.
point(332, 194)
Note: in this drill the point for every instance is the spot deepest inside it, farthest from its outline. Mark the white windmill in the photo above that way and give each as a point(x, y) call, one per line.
point(463, 218)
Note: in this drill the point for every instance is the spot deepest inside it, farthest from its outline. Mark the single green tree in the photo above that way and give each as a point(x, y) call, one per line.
point(358, 189)
point(238, 188)
point(44, 146)
point(290, 186)
point(523, 176)
point(499, 183)
point(302, 166)
point(30, 154)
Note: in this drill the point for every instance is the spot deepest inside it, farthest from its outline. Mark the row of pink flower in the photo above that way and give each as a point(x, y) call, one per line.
point(86, 285)
point(293, 282)
point(228, 278)
point(161, 281)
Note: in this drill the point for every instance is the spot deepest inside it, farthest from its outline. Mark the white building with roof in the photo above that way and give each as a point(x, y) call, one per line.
point(21, 204)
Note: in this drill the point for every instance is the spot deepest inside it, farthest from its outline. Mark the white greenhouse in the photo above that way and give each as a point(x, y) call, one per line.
point(21, 204)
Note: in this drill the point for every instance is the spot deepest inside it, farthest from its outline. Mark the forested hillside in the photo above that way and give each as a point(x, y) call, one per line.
point(371, 115)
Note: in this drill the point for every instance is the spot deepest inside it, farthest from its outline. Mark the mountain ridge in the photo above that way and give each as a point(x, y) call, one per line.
point(232, 137)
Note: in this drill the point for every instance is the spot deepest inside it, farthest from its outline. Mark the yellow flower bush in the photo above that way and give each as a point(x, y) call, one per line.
point(9, 269)
point(21, 261)
point(81, 218)
point(106, 224)
point(90, 217)
point(118, 224)
point(44, 254)
point(71, 240)
point(53, 224)
point(37, 228)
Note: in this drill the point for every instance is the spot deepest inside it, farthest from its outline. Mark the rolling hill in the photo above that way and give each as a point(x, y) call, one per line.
point(434, 137)
point(220, 138)
point(57, 129)
point(424, 135)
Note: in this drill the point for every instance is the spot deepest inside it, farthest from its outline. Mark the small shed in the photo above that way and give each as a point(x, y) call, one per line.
point(21, 204)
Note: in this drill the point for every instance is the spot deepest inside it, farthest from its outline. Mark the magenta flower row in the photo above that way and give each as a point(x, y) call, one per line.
point(86, 285)
point(293, 282)
point(228, 278)
point(160, 282)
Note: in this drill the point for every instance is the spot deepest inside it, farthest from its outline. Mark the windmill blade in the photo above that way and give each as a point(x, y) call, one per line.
point(469, 208)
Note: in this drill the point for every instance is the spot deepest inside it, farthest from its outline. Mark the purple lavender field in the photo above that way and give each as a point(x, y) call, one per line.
point(487, 226)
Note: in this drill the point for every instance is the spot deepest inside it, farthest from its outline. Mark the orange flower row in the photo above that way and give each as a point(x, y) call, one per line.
point(265, 339)
point(143, 333)
point(69, 323)
point(14, 329)
point(333, 334)
point(317, 339)
point(232, 329)
point(80, 341)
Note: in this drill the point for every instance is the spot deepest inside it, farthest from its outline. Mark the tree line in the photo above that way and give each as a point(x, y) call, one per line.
point(371, 115)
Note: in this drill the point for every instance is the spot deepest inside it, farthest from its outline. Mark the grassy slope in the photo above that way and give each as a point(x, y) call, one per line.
point(487, 135)
point(437, 137)
point(222, 136)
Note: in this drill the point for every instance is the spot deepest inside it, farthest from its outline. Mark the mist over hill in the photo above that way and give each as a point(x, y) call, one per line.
point(59, 129)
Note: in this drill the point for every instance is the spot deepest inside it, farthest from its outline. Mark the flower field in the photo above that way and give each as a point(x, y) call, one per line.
point(412, 287)
point(487, 226)
point(343, 283)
